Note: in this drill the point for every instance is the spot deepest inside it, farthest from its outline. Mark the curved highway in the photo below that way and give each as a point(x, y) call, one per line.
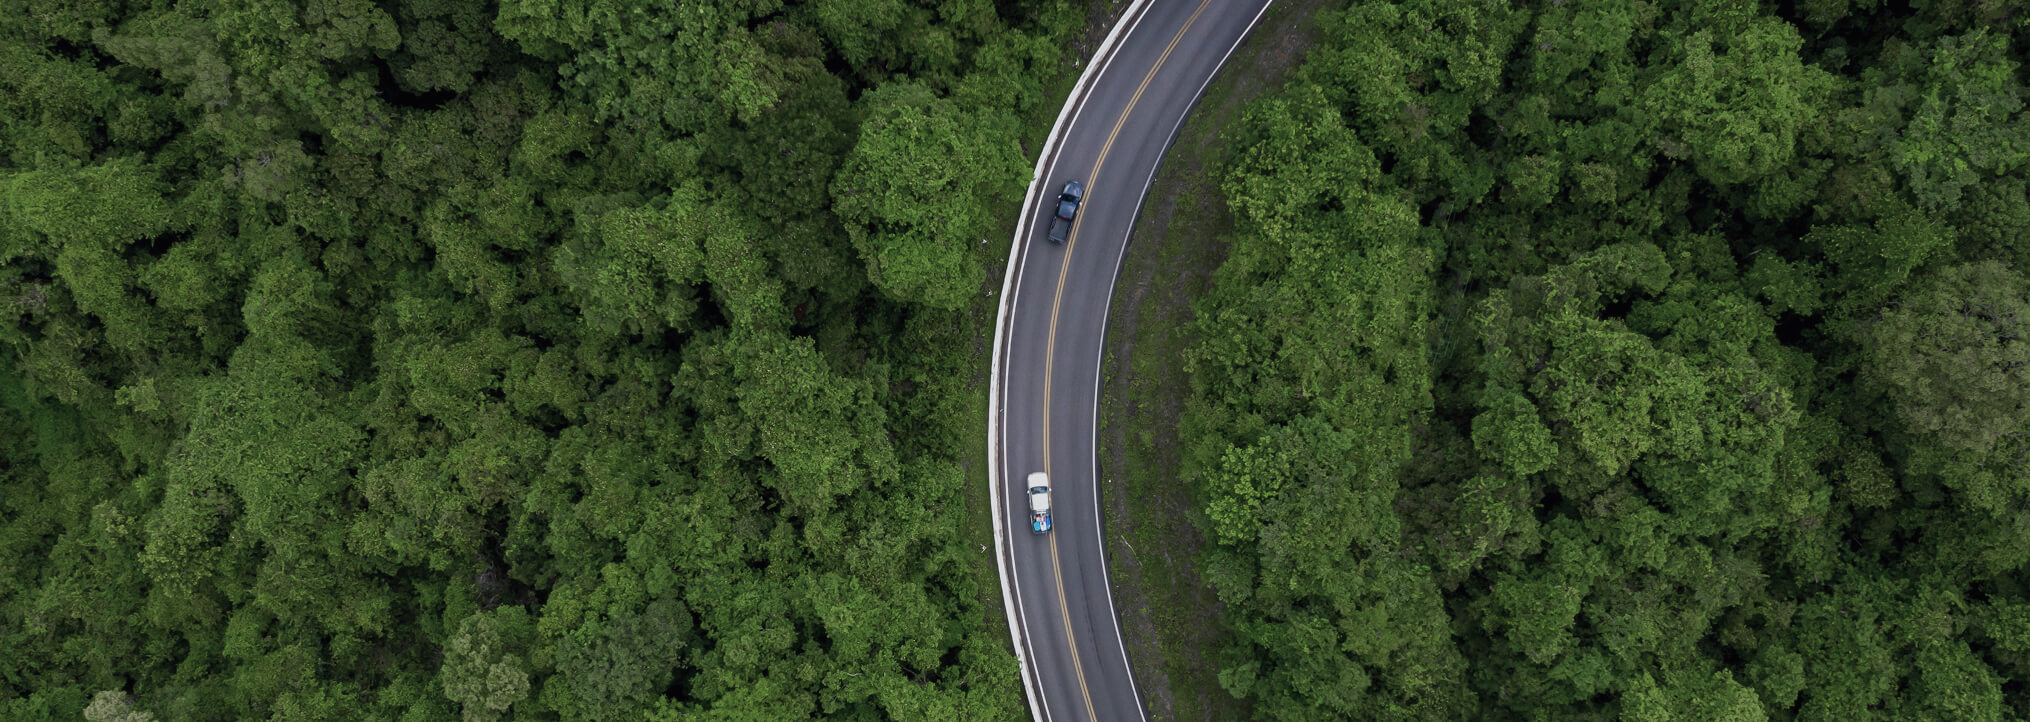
point(1050, 334)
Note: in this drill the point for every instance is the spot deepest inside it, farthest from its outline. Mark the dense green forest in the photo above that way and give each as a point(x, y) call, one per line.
point(1592, 359)
point(530, 359)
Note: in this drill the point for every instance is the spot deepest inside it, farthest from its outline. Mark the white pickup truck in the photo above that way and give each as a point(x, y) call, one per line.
point(1039, 502)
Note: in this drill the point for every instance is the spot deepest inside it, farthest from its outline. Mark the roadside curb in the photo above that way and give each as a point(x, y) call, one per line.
point(1044, 160)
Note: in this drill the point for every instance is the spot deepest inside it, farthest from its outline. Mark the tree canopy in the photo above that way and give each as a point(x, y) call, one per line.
point(1604, 360)
point(514, 360)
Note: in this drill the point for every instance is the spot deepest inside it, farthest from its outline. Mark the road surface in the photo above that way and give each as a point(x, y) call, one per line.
point(1053, 323)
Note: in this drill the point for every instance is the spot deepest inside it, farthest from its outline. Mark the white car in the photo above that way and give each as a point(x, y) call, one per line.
point(1039, 502)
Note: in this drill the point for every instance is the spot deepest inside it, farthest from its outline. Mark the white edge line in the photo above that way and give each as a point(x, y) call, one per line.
point(1100, 360)
point(1016, 256)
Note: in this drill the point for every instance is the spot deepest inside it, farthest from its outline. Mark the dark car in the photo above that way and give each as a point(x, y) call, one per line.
point(1067, 211)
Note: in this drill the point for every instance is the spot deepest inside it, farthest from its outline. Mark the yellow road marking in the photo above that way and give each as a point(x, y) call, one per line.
point(1050, 346)
point(1077, 667)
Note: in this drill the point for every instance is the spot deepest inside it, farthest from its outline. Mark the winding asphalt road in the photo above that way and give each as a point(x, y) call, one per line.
point(1051, 334)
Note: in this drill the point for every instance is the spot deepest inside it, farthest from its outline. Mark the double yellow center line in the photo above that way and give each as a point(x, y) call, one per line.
point(1050, 347)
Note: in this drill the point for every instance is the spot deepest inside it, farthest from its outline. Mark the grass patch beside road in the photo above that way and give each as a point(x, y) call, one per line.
point(1171, 620)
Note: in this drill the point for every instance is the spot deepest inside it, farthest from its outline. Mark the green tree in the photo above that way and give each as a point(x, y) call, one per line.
point(115, 706)
point(484, 668)
point(1952, 356)
point(917, 192)
point(687, 70)
point(616, 666)
point(1737, 102)
point(1965, 128)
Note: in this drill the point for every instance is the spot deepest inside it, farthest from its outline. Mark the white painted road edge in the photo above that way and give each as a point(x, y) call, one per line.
point(1100, 360)
point(1100, 59)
